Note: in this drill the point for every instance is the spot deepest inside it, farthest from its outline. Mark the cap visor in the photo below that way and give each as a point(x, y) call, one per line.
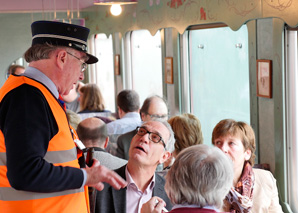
point(92, 59)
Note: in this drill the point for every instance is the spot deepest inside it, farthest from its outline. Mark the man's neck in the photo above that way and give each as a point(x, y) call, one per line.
point(142, 176)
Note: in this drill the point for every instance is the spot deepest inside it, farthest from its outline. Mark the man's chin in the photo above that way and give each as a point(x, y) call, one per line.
point(66, 92)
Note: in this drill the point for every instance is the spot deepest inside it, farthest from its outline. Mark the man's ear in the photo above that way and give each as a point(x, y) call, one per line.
point(120, 112)
point(106, 142)
point(142, 116)
point(166, 155)
point(61, 58)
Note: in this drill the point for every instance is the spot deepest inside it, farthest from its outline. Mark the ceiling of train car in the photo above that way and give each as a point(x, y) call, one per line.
point(29, 6)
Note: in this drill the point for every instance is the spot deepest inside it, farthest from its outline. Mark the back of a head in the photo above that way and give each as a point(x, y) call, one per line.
point(92, 132)
point(200, 175)
point(15, 69)
point(128, 101)
point(188, 131)
point(92, 98)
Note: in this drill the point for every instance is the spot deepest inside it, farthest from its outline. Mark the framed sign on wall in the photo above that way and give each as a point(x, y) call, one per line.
point(169, 70)
point(264, 78)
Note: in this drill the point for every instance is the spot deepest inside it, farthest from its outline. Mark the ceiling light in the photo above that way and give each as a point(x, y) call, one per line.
point(111, 2)
point(116, 9)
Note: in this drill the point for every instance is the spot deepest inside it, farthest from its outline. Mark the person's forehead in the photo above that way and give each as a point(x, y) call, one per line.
point(157, 127)
point(79, 54)
point(229, 137)
point(84, 57)
point(157, 106)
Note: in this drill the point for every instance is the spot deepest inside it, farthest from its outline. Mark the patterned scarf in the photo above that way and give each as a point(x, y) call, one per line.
point(240, 197)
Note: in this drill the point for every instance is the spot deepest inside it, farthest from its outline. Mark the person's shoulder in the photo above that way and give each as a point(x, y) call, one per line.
point(261, 173)
point(109, 156)
point(159, 178)
point(25, 88)
point(193, 210)
point(25, 93)
point(127, 135)
point(121, 171)
point(117, 158)
point(264, 178)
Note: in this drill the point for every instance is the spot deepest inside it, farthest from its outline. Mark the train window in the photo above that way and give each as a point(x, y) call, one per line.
point(292, 116)
point(219, 76)
point(105, 69)
point(146, 64)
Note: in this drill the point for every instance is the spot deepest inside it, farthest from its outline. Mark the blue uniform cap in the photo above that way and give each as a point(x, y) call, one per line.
point(62, 34)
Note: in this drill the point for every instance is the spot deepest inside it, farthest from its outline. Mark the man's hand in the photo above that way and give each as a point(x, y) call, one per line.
point(96, 174)
point(154, 205)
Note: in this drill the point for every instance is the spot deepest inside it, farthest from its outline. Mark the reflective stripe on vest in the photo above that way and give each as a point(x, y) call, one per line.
point(15, 195)
point(56, 157)
point(61, 151)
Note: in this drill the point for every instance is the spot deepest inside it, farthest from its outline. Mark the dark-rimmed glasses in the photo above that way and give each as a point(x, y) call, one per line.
point(154, 137)
point(84, 65)
point(157, 116)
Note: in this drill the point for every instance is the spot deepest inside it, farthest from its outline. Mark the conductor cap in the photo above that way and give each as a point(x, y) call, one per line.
point(62, 34)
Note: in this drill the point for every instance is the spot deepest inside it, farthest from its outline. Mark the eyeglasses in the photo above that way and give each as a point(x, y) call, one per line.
point(157, 116)
point(154, 137)
point(84, 65)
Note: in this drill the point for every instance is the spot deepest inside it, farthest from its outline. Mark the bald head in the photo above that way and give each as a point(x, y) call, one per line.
point(92, 123)
point(154, 107)
point(92, 132)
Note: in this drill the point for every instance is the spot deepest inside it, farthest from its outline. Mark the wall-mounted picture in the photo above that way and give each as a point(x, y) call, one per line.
point(264, 78)
point(117, 64)
point(169, 70)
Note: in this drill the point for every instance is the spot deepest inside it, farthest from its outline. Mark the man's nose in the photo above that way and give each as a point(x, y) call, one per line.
point(145, 138)
point(81, 78)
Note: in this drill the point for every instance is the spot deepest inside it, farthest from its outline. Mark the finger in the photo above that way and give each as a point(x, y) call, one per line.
point(95, 163)
point(99, 186)
point(149, 206)
point(158, 200)
point(159, 207)
point(160, 204)
point(115, 180)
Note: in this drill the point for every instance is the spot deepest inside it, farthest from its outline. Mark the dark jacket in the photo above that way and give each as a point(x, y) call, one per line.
point(123, 144)
point(114, 201)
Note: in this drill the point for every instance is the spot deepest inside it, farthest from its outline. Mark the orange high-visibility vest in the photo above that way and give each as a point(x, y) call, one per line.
point(69, 201)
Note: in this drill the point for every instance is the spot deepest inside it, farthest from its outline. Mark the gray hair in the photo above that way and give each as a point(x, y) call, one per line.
point(171, 140)
point(200, 175)
point(41, 51)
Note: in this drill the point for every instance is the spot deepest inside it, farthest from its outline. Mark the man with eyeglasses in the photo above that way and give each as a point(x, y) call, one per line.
point(39, 169)
point(151, 146)
point(153, 107)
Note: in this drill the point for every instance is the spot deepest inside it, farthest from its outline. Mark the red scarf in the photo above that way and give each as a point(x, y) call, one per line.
point(60, 99)
point(240, 197)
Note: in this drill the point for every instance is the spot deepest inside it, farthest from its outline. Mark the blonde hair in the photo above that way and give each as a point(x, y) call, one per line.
point(92, 98)
point(188, 131)
point(73, 118)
